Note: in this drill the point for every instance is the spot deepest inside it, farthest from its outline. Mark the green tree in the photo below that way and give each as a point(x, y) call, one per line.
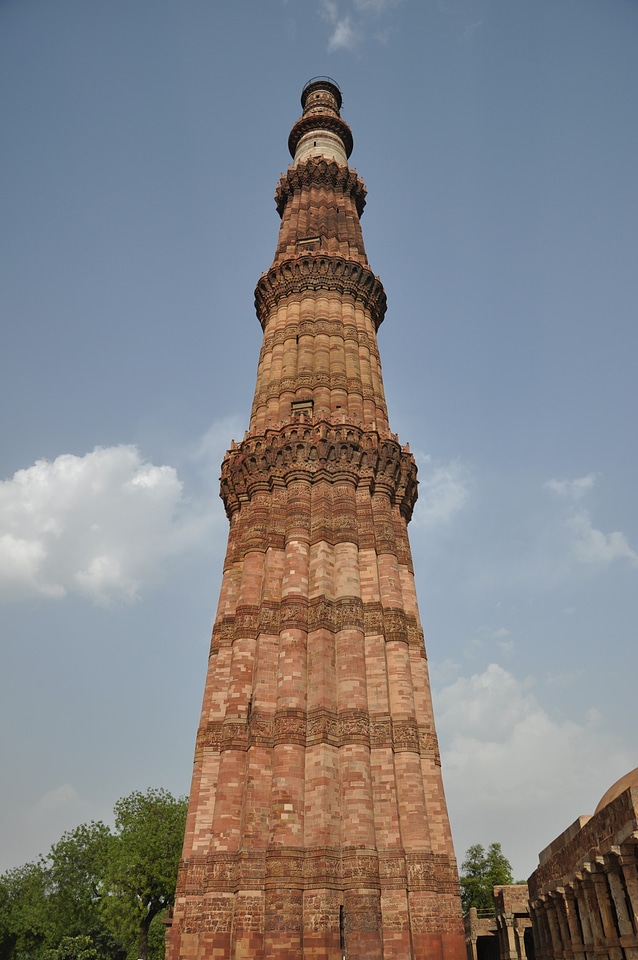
point(98, 894)
point(141, 869)
point(73, 948)
point(481, 871)
point(25, 920)
point(77, 867)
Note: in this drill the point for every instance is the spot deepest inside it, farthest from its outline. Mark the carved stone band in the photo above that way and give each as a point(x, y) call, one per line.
point(317, 868)
point(315, 451)
point(346, 277)
point(319, 726)
point(319, 613)
point(317, 171)
point(311, 327)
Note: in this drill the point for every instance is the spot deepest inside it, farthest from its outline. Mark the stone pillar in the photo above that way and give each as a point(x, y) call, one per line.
point(630, 874)
point(519, 931)
point(470, 940)
point(558, 900)
point(540, 929)
point(610, 930)
point(575, 933)
point(592, 909)
point(625, 927)
point(585, 919)
point(554, 929)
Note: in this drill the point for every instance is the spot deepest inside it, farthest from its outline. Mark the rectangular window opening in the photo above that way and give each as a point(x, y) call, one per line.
point(301, 408)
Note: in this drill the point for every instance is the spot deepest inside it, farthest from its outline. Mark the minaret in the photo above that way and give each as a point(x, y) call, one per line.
point(317, 825)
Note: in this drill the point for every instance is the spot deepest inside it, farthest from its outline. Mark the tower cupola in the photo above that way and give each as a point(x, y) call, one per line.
point(321, 132)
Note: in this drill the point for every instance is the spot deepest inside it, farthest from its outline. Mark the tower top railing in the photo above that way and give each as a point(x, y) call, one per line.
point(322, 81)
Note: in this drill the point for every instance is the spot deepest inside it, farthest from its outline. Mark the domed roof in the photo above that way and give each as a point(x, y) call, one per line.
point(629, 780)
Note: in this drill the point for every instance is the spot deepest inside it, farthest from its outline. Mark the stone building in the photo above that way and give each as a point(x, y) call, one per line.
point(584, 893)
point(506, 933)
point(513, 924)
point(317, 824)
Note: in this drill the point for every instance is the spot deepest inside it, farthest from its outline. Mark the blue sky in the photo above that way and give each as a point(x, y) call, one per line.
point(141, 144)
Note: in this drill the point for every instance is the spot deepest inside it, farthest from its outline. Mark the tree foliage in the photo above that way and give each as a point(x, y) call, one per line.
point(99, 893)
point(481, 871)
point(141, 871)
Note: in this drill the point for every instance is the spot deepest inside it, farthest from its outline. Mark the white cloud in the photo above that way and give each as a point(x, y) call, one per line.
point(101, 525)
point(471, 28)
point(443, 491)
point(349, 28)
point(513, 773)
point(592, 546)
point(376, 7)
point(343, 36)
point(574, 489)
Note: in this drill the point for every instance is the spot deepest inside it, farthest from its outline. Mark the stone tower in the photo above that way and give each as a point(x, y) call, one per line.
point(317, 824)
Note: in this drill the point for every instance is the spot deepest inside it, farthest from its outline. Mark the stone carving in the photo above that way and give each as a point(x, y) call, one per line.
point(373, 619)
point(284, 864)
point(321, 912)
point(421, 871)
point(381, 732)
point(354, 727)
point(362, 912)
point(361, 870)
point(429, 745)
point(294, 614)
point(269, 619)
point(415, 632)
point(208, 915)
point(405, 736)
point(311, 327)
point(209, 735)
point(246, 621)
point(284, 911)
point(320, 272)
point(223, 633)
point(321, 726)
point(321, 614)
point(321, 868)
point(316, 171)
point(234, 735)
point(320, 451)
point(392, 872)
point(251, 869)
point(394, 623)
point(348, 614)
point(248, 915)
point(260, 729)
point(290, 727)
point(192, 877)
